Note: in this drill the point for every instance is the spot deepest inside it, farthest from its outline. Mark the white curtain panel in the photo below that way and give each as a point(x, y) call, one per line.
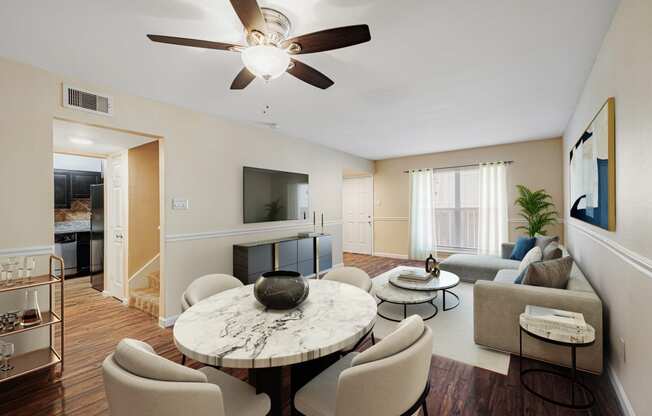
point(422, 215)
point(492, 223)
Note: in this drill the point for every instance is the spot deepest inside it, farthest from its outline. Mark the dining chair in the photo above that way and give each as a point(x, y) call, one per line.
point(205, 286)
point(351, 275)
point(360, 279)
point(139, 382)
point(389, 379)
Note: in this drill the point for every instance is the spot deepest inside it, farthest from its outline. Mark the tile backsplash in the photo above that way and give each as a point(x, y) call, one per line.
point(80, 209)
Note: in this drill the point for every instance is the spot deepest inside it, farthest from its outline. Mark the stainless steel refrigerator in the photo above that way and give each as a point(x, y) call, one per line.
point(97, 237)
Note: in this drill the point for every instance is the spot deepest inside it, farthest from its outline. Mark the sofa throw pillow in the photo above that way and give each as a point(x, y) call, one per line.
point(542, 241)
point(522, 246)
point(533, 255)
point(551, 273)
point(552, 251)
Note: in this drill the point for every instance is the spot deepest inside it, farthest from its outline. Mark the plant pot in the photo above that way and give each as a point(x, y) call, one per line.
point(281, 289)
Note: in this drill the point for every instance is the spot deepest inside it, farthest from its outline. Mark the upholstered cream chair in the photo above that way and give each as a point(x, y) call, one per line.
point(205, 286)
point(358, 278)
point(139, 382)
point(389, 379)
point(351, 275)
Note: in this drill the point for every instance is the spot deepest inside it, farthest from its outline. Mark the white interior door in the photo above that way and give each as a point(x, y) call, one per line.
point(357, 199)
point(116, 235)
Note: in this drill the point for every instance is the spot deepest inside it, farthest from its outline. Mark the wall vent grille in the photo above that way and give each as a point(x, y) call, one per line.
point(87, 101)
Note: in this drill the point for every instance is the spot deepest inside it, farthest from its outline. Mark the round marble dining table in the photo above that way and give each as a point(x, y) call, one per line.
point(232, 329)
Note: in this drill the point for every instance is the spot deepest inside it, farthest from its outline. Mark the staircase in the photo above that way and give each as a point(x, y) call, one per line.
point(147, 299)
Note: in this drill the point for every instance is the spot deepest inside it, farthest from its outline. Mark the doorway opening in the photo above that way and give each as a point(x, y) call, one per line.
point(107, 211)
point(358, 214)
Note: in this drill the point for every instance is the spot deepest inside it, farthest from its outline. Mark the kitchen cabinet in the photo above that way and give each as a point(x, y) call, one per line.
point(73, 184)
point(61, 190)
point(81, 182)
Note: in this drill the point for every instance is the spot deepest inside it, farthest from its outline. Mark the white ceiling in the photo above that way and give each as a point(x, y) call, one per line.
point(104, 141)
point(437, 75)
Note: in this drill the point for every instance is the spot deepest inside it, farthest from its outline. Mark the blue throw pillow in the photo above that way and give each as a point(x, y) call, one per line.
point(521, 276)
point(523, 245)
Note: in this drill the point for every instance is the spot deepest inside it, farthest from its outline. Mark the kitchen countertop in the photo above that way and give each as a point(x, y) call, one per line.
point(78, 226)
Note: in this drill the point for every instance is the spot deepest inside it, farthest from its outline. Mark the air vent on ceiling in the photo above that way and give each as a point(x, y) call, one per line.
point(87, 101)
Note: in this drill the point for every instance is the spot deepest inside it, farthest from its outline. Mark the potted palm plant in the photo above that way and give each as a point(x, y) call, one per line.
point(537, 209)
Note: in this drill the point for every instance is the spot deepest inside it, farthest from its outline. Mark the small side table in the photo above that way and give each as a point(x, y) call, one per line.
point(574, 383)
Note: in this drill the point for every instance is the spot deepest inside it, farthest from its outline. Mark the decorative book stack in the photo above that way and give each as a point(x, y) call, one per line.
point(414, 276)
point(558, 325)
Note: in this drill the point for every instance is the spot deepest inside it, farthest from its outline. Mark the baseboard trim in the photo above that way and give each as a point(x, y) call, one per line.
point(638, 261)
point(164, 322)
point(391, 255)
point(623, 400)
point(303, 226)
point(27, 251)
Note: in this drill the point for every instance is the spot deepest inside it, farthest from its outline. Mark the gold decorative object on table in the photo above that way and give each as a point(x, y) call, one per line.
point(432, 266)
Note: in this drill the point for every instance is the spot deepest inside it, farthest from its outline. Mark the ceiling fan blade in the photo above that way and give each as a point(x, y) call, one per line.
point(310, 75)
point(195, 43)
point(326, 40)
point(250, 15)
point(243, 79)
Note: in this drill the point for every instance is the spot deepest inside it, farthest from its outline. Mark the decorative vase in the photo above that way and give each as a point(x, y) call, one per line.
point(281, 289)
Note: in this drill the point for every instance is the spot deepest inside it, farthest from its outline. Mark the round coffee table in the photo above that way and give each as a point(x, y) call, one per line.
point(398, 296)
point(444, 282)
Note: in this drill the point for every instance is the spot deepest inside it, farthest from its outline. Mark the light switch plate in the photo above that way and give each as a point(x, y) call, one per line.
point(179, 204)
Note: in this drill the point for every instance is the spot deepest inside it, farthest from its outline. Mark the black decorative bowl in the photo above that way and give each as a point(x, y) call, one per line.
point(281, 289)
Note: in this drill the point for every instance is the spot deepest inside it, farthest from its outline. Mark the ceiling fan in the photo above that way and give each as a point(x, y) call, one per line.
point(269, 49)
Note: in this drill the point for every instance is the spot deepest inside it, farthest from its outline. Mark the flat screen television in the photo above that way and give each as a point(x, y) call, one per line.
point(272, 195)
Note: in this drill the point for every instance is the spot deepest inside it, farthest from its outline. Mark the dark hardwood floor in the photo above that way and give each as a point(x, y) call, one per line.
point(95, 324)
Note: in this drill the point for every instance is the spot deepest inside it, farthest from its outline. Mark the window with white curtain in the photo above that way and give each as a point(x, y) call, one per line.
point(456, 208)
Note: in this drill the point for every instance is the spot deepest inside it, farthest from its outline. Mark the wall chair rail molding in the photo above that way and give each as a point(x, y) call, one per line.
point(27, 251)
point(639, 262)
point(245, 231)
point(385, 219)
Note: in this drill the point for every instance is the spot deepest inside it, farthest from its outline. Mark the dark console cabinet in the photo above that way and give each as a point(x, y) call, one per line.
point(303, 255)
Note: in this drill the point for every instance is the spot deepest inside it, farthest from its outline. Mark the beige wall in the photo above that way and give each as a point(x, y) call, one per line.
point(144, 201)
point(619, 264)
point(537, 164)
point(202, 161)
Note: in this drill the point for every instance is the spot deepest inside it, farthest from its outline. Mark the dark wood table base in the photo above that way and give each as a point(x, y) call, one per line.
point(270, 380)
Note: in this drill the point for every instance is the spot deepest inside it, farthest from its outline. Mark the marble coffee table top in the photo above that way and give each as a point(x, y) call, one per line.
point(390, 293)
point(232, 329)
point(446, 280)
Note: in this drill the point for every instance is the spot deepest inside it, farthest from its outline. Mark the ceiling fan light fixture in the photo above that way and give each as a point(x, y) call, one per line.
point(266, 61)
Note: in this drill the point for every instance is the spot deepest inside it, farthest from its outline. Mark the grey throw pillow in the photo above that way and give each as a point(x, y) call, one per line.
point(542, 241)
point(551, 273)
point(552, 251)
